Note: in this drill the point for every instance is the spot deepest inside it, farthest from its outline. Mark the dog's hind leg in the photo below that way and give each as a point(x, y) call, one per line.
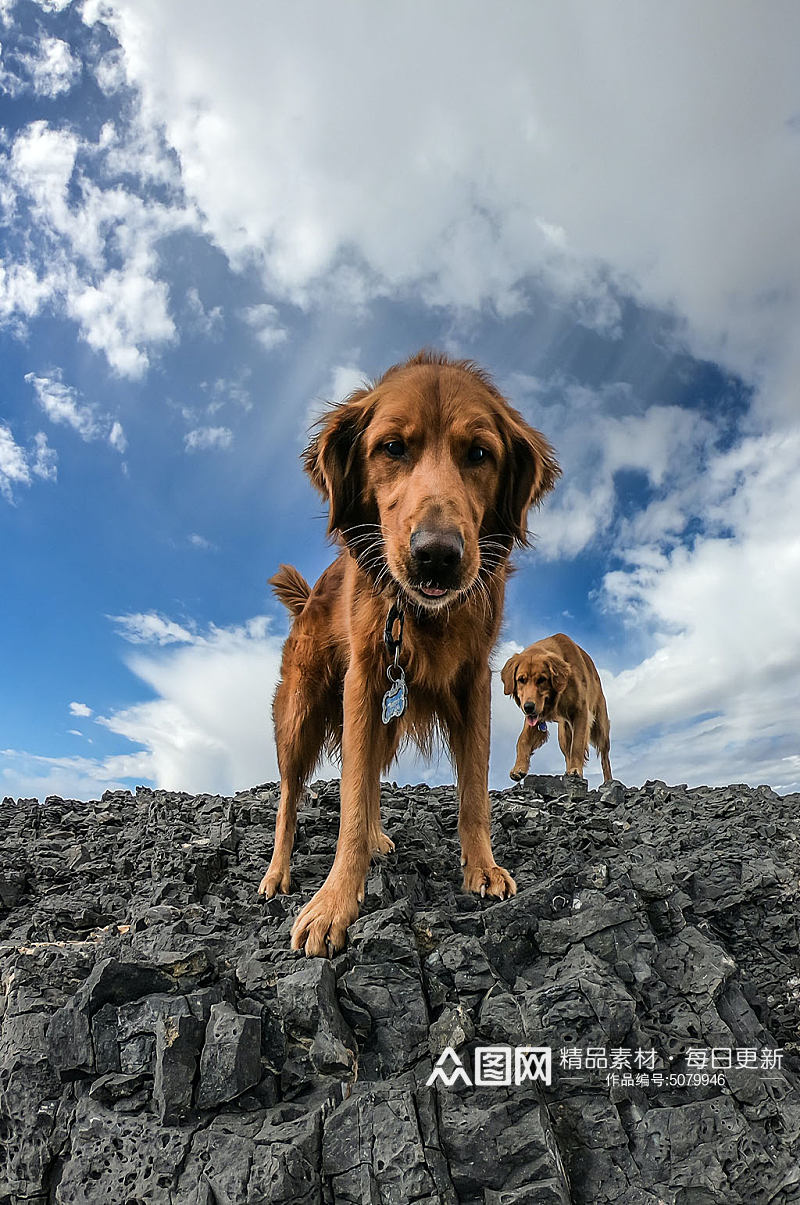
point(601, 739)
point(579, 744)
point(300, 728)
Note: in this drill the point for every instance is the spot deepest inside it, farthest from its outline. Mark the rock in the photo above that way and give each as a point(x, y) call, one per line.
point(160, 1042)
point(382, 1144)
point(320, 1040)
point(179, 1039)
point(231, 1058)
point(549, 786)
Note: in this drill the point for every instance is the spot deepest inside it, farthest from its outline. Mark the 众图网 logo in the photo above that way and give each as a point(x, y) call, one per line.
point(495, 1066)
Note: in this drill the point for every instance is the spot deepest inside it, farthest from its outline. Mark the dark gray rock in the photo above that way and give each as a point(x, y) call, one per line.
point(549, 786)
point(320, 1042)
point(231, 1058)
point(382, 1144)
point(160, 1042)
point(179, 1038)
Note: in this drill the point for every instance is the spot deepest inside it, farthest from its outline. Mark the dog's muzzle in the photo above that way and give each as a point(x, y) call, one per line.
point(435, 561)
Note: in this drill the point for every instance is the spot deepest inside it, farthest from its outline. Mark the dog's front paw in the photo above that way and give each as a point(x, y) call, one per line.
point(321, 926)
point(518, 773)
point(276, 881)
point(489, 880)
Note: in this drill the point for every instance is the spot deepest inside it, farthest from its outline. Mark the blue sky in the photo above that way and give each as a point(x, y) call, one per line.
point(210, 228)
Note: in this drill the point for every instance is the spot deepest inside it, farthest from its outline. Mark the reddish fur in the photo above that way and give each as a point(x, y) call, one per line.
point(291, 588)
point(333, 672)
point(570, 693)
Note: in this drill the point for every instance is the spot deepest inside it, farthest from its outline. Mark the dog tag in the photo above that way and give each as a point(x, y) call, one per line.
point(394, 701)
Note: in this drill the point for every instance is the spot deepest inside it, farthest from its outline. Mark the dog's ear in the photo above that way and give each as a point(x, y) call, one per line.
point(333, 462)
point(508, 672)
point(559, 672)
point(530, 471)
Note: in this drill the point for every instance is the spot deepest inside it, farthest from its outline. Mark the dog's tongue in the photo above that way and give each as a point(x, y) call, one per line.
point(432, 591)
point(532, 720)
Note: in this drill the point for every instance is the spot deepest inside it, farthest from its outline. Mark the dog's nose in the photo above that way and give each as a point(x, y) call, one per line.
point(529, 708)
point(436, 552)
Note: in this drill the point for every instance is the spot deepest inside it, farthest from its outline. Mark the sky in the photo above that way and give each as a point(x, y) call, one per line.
point(212, 226)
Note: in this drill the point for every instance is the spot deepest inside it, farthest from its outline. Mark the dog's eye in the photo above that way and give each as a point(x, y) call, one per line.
point(540, 681)
point(477, 454)
point(521, 680)
point(395, 448)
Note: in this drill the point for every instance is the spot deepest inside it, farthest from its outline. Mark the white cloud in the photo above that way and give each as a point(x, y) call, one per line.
point(596, 439)
point(88, 241)
point(206, 322)
point(117, 437)
point(209, 728)
point(22, 294)
point(725, 635)
point(60, 404)
point(44, 461)
point(203, 438)
point(265, 322)
point(110, 72)
point(14, 468)
point(80, 709)
point(29, 775)
point(571, 155)
point(52, 67)
point(127, 309)
point(344, 379)
point(16, 465)
point(150, 628)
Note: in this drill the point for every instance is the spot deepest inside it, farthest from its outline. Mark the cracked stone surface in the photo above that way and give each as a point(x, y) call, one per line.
point(160, 1044)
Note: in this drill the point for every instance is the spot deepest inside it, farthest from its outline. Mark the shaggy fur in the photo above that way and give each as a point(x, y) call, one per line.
point(429, 457)
point(555, 679)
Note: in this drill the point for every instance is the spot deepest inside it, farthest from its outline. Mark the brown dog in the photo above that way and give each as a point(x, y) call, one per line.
point(555, 679)
point(429, 475)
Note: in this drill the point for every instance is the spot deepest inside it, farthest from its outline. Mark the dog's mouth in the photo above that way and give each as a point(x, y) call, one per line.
point(430, 594)
point(433, 591)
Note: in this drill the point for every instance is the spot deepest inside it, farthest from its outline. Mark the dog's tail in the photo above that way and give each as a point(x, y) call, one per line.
point(291, 588)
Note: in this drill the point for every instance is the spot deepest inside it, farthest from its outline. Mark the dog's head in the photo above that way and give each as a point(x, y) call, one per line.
point(536, 680)
point(429, 475)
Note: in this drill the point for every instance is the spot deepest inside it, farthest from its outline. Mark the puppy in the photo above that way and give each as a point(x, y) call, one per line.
point(554, 679)
point(428, 474)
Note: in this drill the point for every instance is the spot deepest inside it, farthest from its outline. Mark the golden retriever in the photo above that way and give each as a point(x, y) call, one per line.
point(428, 474)
point(554, 679)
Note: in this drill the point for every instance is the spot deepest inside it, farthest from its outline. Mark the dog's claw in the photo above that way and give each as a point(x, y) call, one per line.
point(490, 880)
point(385, 844)
point(320, 928)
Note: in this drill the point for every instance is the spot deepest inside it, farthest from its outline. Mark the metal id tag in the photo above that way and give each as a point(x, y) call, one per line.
point(395, 699)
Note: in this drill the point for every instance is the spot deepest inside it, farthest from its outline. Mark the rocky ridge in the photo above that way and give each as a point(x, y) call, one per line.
point(160, 1043)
